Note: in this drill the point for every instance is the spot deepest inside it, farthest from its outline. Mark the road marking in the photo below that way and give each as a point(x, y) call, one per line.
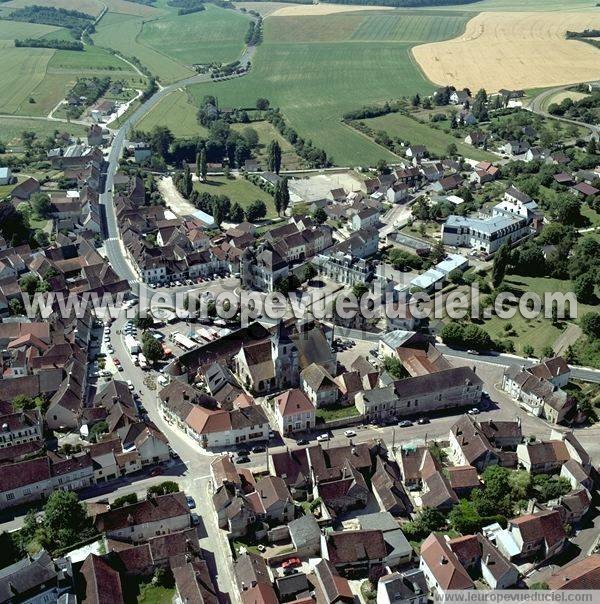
point(202, 477)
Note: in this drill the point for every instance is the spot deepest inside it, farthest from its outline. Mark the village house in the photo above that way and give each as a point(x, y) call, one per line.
point(469, 446)
point(294, 412)
point(543, 457)
point(581, 574)
point(319, 386)
point(404, 587)
point(145, 519)
point(354, 551)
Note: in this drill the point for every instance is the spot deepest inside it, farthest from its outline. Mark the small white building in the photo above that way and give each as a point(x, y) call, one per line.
point(294, 412)
point(5, 175)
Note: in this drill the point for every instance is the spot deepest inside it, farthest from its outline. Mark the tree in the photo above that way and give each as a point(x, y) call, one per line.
point(359, 289)
point(584, 286)
point(203, 164)
point(415, 100)
point(310, 272)
point(479, 109)
point(451, 149)
point(528, 350)
point(96, 430)
point(262, 104)
point(152, 348)
point(160, 140)
point(394, 367)
point(65, 519)
point(143, 322)
point(591, 147)
point(464, 518)
point(237, 212)
point(285, 195)
point(41, 205)
point(198, 165)
point(274, 157)
point(32, 284)
point(119, 502)
point(320, 215)
point(255, 210)
point(567, 210)
point(590, 325)
point(16, 307)
point(10, 552)
point(164, 488)
point(251, 136)
point(22, 402)
point(500, 265)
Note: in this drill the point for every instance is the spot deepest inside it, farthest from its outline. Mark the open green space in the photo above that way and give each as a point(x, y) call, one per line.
point(317, 68)
point(266, 133)
point(436, 141)
point(10, 30)
point(177, 113)
point(11, 129)
point(122, 32)
point(155, 594)
point(333, 412)
point(238, 190)
point(212, 35)
point(537, 332)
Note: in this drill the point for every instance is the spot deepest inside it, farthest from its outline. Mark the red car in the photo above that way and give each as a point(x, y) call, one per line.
point(157, 471)
point(291, 563)
point(116, 362)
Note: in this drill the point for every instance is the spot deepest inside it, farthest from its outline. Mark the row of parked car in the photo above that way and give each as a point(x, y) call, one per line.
point(195, 281)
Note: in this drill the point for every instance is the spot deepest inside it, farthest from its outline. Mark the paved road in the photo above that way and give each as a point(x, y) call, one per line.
point(537, 106)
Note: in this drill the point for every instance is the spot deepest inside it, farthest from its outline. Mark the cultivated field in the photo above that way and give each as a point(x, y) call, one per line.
point(514, 50)
point(302, 10)
point(317, 68)
point(398, 125)
point(528, 5)
point(214, 34)
point(177, 113)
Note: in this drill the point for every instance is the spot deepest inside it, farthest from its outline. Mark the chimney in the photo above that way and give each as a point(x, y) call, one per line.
point(487, 559)
point(444, 560)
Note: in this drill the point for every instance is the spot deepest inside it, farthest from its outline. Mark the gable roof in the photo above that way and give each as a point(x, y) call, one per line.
point(444, 564)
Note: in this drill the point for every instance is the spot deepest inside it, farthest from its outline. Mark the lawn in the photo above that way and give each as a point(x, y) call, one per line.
point(333, 412)
point(590, 214)
point(212, 35)
point(436, 141)
point(122, 32)
point(153, 594)
point(177, 112)
point(315, 68)
point(238, 190)
point(537, 332)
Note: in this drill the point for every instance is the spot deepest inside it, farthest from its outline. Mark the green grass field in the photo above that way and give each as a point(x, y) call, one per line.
point(177, 113)
point(530, 5)
point(437, 141)
point(537, 332)
point(214, 34)
point(121, 32)
point(237, 189)
point(317, 68)
point(11, 129)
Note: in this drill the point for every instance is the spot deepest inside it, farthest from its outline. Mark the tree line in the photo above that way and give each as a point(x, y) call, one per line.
point(187, 6)
point(403, 3)
point(47, 43)
point(73, 20)
point(254, 33)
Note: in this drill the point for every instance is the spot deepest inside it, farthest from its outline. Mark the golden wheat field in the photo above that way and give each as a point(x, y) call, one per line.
point(514, 50)
point(307, 10)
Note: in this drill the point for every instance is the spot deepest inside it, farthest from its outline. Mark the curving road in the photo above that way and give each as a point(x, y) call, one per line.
point(114, 249)
point(537, 104)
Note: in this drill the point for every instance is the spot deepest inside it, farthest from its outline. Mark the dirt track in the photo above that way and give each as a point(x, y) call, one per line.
point(514, 50)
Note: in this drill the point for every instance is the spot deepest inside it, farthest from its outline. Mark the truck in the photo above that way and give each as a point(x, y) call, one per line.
point(131, 344)
point(143, 361)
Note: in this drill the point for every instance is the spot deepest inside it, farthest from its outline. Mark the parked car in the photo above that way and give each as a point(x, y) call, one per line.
point(302, 442)
point(190, 501)
point(259, 449)
point(289, 571)
point(291, 563)
point(116, 361)
point(157, 471)
point(323, 437)
point(471, 351)
point(349, 433)
point(261, 548)
point(272, 434)
point(243, 453)
point(405, 423)
point(423, 420)
point(473, 411)
point(195, 520)
point(244, 459)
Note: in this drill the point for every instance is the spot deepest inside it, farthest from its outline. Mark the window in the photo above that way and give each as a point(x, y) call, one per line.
point(10, 496)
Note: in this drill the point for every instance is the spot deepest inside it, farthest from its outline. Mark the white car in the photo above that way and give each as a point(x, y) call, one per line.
point(473, 411)
point(322, 437)
point(129, 385)
point(349, 433)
